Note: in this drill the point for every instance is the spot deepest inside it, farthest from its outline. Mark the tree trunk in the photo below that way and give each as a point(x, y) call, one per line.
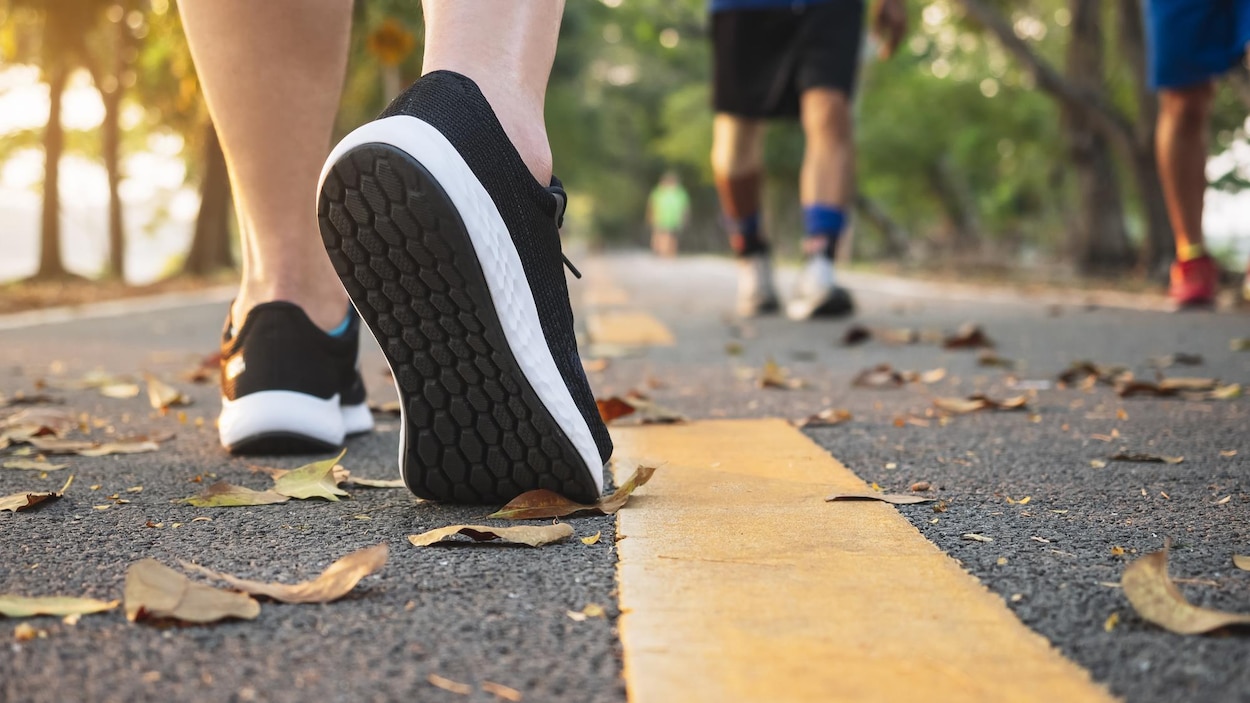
point(1098, 239)
point(110, 138)
point(50, 265)
point(210, 245)
point(892, 233)
point(957, 200)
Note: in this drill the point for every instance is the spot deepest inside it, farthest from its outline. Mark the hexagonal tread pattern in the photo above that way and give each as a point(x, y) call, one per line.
point(477, 432)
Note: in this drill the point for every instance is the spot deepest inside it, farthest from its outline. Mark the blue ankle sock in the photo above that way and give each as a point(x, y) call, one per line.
point(341, 329)
point(825, 221)
point(752, 241)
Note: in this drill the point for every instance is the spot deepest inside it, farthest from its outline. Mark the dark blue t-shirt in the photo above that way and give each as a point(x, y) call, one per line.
point(720, 5)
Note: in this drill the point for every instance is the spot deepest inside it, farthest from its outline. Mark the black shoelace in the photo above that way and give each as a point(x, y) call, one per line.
point(562, 200)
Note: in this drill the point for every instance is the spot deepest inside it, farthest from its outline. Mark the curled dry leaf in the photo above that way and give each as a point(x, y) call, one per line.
point(1156, 599)
point(1241, 561)
point(969, 336)
point(1087, 371)
point(641, 407)
point(375, 482)
point(989, 358)
point(932, 376)
point(82, 447)
point(163, 396)
point(592, 539)
point(826, 418)
point(920, 486)
point(532, 535)
point(1177, 359)
point(29, 499)
point(773, 375)
point(973, 403)
point(502, 692)
point(974, 537)
point(902, 335)
point(37, 422)
point(154, 590)
point(543, 503)
point(315, 480)
point(1228, 392)
point(15, 606)
point(894, 498)
point(120, 390)
point(335, 582)
point(33, 465)
point(447, 684)
point(879, 376)
point(1146, 458)
point(206, 371)
point(226, 495)
point(856, 334)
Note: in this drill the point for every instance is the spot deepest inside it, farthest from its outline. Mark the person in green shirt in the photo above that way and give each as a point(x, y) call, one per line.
point(668, 213)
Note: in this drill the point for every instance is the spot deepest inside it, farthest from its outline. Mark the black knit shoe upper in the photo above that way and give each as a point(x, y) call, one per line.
point(454, 105)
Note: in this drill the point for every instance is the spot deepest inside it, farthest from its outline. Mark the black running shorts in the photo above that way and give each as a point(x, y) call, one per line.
point(765, 58)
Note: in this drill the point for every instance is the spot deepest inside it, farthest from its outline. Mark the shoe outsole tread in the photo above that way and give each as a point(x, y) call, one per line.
point(476, 430)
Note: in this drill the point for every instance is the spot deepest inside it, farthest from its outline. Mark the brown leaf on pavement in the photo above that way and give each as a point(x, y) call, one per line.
point(315, 480)
point(120, 390)
point(641, 407)
point(20, 398)
point(136, 446)
point(446, 684)
point(29, 499)
point(974, 537)
point(163, 396)
point(390, 407)
point(593, 539)
point(15, 606)
point(894, 498)
point(156, 591)
point(773, 375)
point(990, 358)
point(502, 692)
point(856, 334)
point(879, 376)
point(826, 418)
point(206, 371)
point(532, 535)
point(543, 503)
point(1228, 392)
point(335, 582)
point(1087, 371)
point(37, 422)
point(1241, 561)
point(32, 465)
point(375, 482)
point(973, 403)
point(1156, 599)
point(1177, 359)
point(1239, 344)
point(920, 486)
point(1146, 458)
point(969, 336)
point(225, 495)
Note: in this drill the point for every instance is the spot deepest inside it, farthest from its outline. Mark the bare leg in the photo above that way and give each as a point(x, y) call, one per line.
point(737, 163)
point(828, 173)
point(1181, 143)
point(272, 73)
point(507, 48)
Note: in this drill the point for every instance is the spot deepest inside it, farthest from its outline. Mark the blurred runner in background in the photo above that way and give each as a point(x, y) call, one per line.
point(668, 213)
point(788, 59)
point(1191, 44)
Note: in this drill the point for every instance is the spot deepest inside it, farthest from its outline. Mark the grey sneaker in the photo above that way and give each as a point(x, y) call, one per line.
point(817, 294)
point(756, 293)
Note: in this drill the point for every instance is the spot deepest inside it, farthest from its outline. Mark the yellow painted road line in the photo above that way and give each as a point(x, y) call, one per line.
point(739, 583)
point(627, 328)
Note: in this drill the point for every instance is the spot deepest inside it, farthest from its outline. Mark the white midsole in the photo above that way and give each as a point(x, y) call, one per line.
point(265, 412)
point(357, 418)
point(501, 265)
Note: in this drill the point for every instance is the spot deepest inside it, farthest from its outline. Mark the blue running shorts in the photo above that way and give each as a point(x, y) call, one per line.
point(1193, 41)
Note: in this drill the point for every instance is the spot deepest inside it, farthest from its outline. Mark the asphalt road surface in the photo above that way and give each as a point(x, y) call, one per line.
point(1064, 519)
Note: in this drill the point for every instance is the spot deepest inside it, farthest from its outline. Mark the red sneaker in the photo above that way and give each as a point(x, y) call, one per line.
point(1195, 282)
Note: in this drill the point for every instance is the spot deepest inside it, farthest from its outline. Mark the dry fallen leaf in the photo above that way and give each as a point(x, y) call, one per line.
point(1241, 561)
point(1146, 458)
point(879, 376)
point(990, 358)
point(120, 390)
point(974, 537)
point(920, 486)
point(973, 403)
point(593, 539)
point(335, 582)
point(15, 606)
point(154, 590)
point(1239, 344)
point(826, 418)
point(1177, 359)
point(772, 375)
point(206, 371)
point(225, 495)
point(894, 498)
point(447, 684)
point(163, 396)
point(932, 376)
point(1231, 391)
point(29, 499)
point(532, 535)
point(543, 503)
point(37, 422)
point(1156, 599)
point(375, 482)
point(969, 336)
point(24, 632)
point(639, 405)
point(33, 465)
point(501, 691)
point(1089, 372)
point(315, 480)
point(856, 334)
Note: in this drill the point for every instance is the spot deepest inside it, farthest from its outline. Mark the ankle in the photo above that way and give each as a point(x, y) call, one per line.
point(325, 306)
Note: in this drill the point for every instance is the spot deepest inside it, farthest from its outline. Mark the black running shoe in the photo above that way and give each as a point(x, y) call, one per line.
point(450, 250)
point(287, 387)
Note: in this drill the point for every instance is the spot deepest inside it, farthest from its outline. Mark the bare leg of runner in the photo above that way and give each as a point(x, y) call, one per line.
point(1181, 141)
point(272, 73)
point(828, 173)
